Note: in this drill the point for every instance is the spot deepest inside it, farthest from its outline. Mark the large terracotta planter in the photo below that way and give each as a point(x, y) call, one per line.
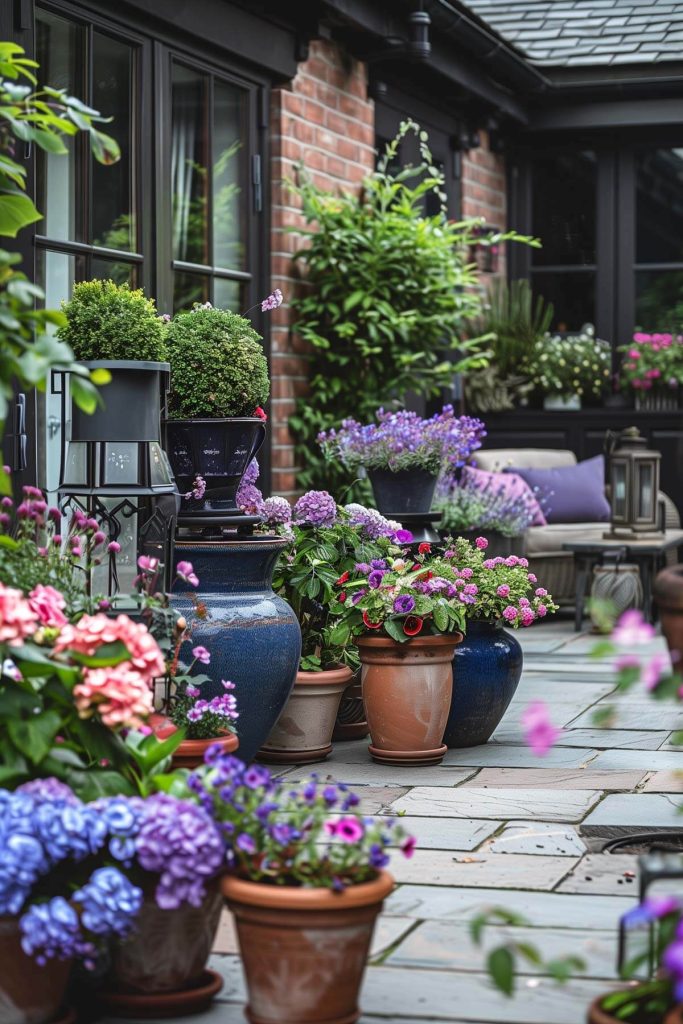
point(668, 593)
point(160, 970)
point(675, 1016)
point(29, 993)
point(190, 753)
point(303, 732)
point(304, 950)
point(407, 690)
point(352, 723)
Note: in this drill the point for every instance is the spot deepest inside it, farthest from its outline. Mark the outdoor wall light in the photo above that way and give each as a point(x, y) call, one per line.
point(634, 472)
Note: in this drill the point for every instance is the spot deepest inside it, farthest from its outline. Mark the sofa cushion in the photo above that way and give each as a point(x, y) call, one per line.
point(499, 459)
point(570, 494)
point(511, 485)
point(548, 540)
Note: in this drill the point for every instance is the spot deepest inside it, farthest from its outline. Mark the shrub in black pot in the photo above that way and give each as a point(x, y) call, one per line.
point(219, 382)
point(117, 328)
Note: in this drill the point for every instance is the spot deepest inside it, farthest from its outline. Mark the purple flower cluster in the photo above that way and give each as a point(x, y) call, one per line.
point(277, 511)
point(372, 523)
point(224, 706)
point(316, 508)
point(272, 301)
point(403, 440)
point(470, 506)
point(249, 497)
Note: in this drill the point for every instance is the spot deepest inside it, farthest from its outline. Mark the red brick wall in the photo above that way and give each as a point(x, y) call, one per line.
point(323, 119)
point(484, 192)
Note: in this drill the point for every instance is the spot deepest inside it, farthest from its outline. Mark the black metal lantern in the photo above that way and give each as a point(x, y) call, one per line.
point(634, 486)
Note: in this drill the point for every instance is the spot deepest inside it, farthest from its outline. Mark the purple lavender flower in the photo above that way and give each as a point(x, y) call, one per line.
point(317, 508)
point(404, 604)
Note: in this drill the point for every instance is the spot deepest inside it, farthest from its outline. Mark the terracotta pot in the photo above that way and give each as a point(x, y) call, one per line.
point(668, 593)
point(407, 690)
point(675, 1016)
point(352, 722)
point(29, 993)
point(304, 950)
point(190, 753)
point(168, 950)
point(303, 732)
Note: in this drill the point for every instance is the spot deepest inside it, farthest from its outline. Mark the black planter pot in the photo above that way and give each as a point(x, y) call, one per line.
point(219, 451)
point(500, 546)
point(132, 403)
point(408, 491)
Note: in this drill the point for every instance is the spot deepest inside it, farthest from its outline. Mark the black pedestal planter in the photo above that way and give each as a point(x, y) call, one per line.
point(131, 403)
point(217, 450)
point(407, 491)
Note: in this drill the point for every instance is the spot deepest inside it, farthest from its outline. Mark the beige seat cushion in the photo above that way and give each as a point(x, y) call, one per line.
point(548, 540)
point(495, 460)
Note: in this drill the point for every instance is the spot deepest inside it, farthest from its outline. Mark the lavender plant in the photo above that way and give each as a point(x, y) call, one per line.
point(468, 505)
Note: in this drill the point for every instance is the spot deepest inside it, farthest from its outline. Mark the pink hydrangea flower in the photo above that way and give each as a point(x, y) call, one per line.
point(17, 619)
point(92, 631)
point(510, 613)
point(541, 611)
point(48, 604)
point(482, 543)
point(539, 732)
point(119, 694)
point(541, 592)
point(503, 590)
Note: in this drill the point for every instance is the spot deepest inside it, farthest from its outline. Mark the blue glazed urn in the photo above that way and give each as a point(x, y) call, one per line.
point(253, 636)
point(487, 667)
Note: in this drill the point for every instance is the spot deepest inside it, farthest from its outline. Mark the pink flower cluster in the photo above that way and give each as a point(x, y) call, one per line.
point(48, 604)
point(539, 732)
point(653, 358)
point(92, 631)
point(18, 620)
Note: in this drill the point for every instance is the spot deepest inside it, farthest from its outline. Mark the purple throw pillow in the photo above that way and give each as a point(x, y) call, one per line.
point(570, 494)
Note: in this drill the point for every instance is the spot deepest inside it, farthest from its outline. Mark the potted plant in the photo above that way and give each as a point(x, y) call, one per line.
point(326, 543)
point(62, 895)
point(406, 618)
point(403, 454)
point(652, 368)
point(487, 665)
point(219, 383)
point(565, 368)
point(306, 883)
point(114, 328)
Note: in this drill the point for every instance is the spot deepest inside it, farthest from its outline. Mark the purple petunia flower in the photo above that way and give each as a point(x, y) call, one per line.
point(404, 604)
point(375, 578)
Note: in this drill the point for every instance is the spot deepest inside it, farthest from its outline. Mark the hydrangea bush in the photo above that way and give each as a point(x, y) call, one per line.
point(403, 440)
point(310, 835)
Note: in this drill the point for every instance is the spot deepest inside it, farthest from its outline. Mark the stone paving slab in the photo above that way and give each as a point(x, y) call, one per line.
point(482, 869)
point(629, 715)
point(503, 803)
point(560, 778)
point(645, 760)
point(609, 739)
point(494, 755)
point(605, 873)
point(387, 775)
point(620, 813)
point(450, 833)
point(541, 910)
point(447, 945)
point(374, 799)
point(664, 782)
point(538, 838)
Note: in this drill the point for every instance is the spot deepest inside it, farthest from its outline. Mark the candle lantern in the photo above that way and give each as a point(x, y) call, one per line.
point(634, 486)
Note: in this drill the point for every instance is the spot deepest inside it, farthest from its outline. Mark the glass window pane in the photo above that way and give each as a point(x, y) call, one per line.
point(59, 53)
point(659, 300)
point(190, 288)
point(564, 208)
point(189, 165)
point(572, 294)
point(122, 273)
point(230, 210)
point(619, 488)
point(113, 214)
point(645, 495)
point(659, 206)
point(227, 294)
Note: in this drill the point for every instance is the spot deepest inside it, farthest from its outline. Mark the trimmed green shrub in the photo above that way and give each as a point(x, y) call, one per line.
point(218, 366)
point(106, 320)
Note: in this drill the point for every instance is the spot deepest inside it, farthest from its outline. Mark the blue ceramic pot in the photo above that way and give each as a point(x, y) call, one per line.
point(487, 667)
point(253, 635)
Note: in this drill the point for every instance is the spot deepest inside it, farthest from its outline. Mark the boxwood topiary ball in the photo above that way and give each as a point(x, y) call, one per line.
point(218, 366)
point(106, 320)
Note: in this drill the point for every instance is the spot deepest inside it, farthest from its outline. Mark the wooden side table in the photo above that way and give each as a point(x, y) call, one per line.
point(648, 555)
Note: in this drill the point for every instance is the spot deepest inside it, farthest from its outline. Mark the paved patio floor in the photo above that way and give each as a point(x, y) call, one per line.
point(497, 825)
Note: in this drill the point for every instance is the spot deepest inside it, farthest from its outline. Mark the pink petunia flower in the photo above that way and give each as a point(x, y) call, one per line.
point(632, 630)
point(539, 732)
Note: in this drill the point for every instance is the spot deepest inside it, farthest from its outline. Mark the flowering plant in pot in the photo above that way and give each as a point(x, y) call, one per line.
point(219, 383)
point(565, 368)
point(326, 542)
point(403, 453)
point(303, 862)
point(652, 368)
point(406, 616)
point(487, 665)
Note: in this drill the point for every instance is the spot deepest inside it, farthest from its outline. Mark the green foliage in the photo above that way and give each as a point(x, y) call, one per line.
point(44, 117)
point(218, 366)
point(390, 294)
point(105, 320)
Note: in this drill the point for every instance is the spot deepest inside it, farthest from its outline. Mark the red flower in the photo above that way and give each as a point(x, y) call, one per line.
point(342, 597)
point(258, 411)
point(372, 625)
point(424, 548)
point(342, 579)
point(416, 567)
point(412, 625)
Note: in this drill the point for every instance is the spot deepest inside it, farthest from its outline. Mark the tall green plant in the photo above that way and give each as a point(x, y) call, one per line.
point(390, 291)
point(29, 114)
